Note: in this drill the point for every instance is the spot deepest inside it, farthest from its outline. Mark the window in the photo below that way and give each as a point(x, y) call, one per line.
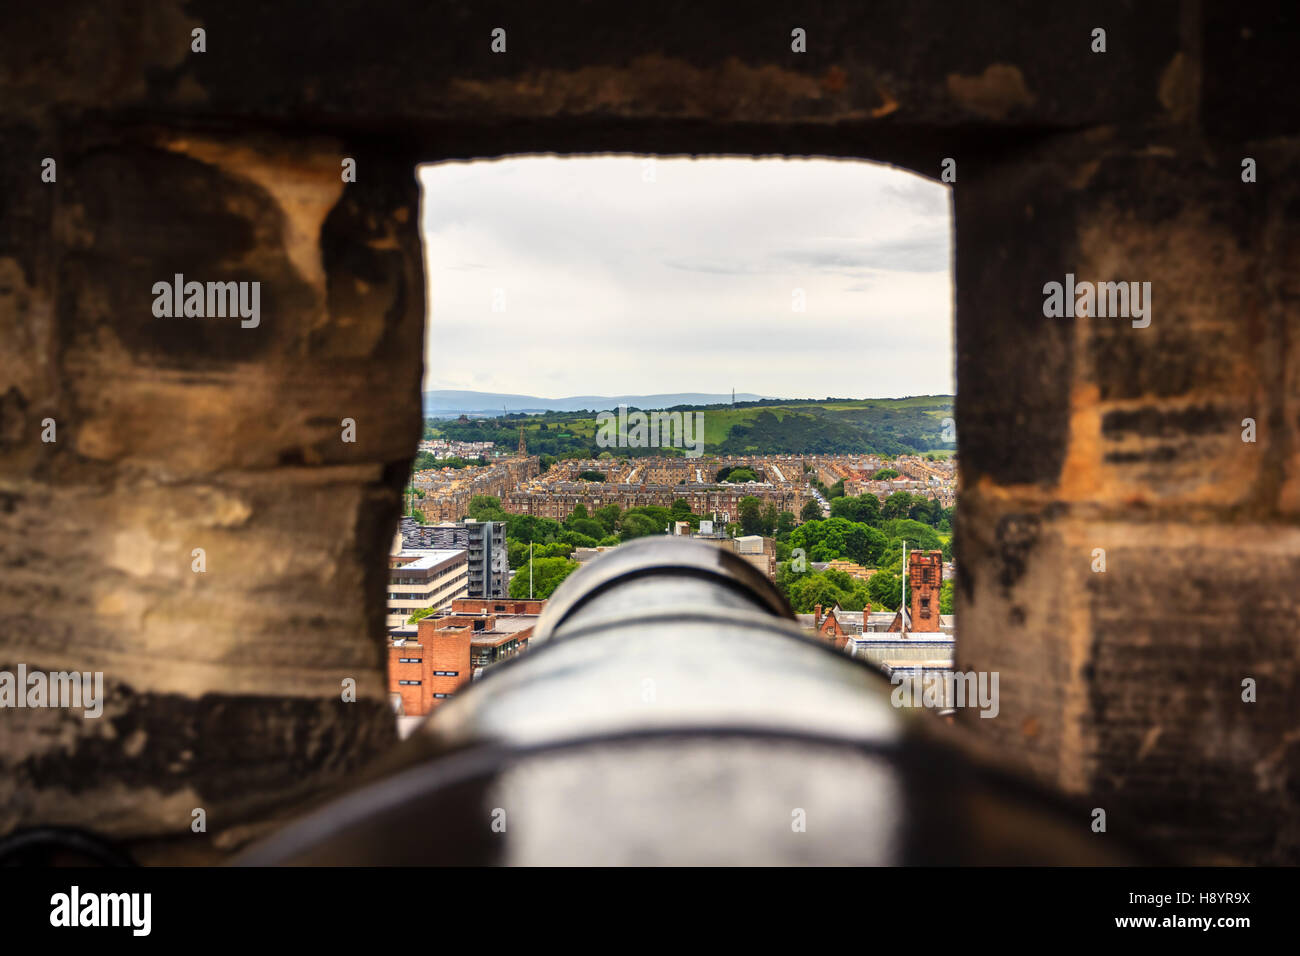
point(411, 682)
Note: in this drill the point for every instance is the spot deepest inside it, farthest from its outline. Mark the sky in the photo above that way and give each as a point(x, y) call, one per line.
point(624, 275)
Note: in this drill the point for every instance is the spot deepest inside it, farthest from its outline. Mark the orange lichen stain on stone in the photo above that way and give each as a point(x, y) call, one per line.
point(1081, 473)
point(834, 80)
point(1028, 495)
point(304, 182)
point(887, 103)
point(994, 93)
point(1149, 741)
point(1029, 727)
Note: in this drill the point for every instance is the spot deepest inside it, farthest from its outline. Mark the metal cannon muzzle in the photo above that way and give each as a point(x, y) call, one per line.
point(670, 711)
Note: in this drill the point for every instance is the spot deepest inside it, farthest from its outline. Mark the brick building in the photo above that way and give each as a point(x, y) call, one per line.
point(829, 628)
point(448, 649)
point(924, 581)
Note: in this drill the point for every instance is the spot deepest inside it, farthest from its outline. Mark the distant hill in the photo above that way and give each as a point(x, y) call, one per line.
point(885, 426)
point(452, 403)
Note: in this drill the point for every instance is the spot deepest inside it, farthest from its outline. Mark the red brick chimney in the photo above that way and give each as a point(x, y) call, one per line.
point(817, 617)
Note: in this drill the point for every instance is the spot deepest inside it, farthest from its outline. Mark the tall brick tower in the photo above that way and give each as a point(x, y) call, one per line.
point(924, 579)
point(523, 446)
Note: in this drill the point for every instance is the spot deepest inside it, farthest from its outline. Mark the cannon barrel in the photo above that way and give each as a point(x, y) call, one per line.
point(671, 711)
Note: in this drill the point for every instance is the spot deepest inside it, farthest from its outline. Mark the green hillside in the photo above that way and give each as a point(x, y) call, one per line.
point(886, 426)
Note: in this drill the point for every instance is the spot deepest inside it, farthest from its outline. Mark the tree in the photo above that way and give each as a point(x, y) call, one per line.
point(846, 508)
point(884, 474)
point(638, 526)
point(579, 511)
point(945, 598)
point(486, 508)
point(896, 505)
point(751, 516)
point(528, 528)
point(579, 540)
point(609, 517)
point(926, 510)
point(421, 614)
point(547, 575)
point(868, 507)
point(813, 589)
point(865, 508)
point(591, 475)
point(827, 588)
point(769, 518)
point(785, 523)
point(839, 538)
point(919, 537)
point(865, 544)
point(811, 511)
point(556, 549)
point(885, 588)
point(589, 527)
point(660, 515)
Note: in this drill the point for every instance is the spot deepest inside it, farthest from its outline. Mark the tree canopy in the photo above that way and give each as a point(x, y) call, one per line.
point(548, 573)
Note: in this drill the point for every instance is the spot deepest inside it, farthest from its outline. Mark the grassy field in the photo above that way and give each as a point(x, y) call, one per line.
point(883, 425)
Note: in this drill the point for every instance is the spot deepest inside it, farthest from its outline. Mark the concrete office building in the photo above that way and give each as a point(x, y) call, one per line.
point(484, 543)
point(423, 578)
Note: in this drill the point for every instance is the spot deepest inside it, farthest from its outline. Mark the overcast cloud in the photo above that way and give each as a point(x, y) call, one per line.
point(614, 285)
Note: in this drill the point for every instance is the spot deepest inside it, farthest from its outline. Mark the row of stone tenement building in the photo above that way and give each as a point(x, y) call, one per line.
point(557, 500)
point(775, 469)
point(443, 448)
point(944, 491)
point(448, 491)
point(632, 482)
